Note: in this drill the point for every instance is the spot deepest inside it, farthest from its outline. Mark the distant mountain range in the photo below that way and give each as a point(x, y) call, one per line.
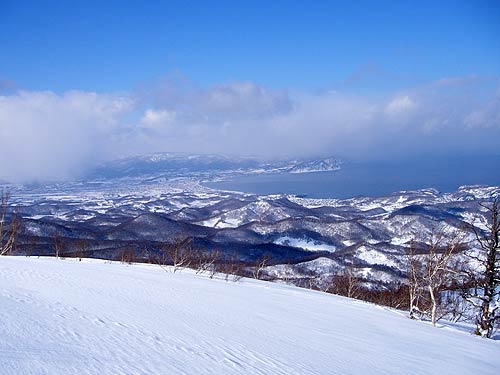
point(179, 164)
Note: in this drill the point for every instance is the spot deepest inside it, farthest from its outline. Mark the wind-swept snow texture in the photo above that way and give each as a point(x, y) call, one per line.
point(97, 317)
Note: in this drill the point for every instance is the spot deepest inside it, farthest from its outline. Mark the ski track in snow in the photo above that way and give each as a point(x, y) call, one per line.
point(99, 317)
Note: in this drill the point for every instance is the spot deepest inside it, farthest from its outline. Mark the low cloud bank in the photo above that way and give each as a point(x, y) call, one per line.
point(49, 136)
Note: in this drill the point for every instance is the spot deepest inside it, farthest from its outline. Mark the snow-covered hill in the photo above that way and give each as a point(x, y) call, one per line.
point(180, 164)
point(370, 233)
point(96, 317)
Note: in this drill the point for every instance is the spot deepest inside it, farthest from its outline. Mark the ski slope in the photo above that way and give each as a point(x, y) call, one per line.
point(98, 317)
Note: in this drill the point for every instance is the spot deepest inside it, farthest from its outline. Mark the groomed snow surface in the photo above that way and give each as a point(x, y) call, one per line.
point(98, 317)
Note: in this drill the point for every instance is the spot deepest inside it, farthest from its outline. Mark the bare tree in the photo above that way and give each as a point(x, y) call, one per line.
point(483, 276)
point(415, 288)
point(231, 267)
point(8, 231)
point(394, 295)
point(127, 255)
point(159, 257)
point(58, 245)
point(81, 249)
point(429, 274)
point(454, 307)
point(437, 269)
point(352, 283)
point(205, 261)
point(178, 254)
point(287, 273)
point(259, 266)
point(346, 283)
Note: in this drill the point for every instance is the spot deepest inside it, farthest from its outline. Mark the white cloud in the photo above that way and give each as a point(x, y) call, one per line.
point(46, 135)
point(157, 118)
point(242, 99)
point(400, 104)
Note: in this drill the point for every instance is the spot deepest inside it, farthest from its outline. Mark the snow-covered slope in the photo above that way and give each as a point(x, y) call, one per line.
point(97, 317)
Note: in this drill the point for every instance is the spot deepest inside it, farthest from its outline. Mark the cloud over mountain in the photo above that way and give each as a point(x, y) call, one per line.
point(45, 135)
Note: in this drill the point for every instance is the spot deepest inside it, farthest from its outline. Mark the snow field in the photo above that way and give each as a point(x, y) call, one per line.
point(99, 317)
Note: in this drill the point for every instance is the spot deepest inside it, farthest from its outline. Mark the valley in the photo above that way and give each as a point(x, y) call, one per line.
point(300, 237)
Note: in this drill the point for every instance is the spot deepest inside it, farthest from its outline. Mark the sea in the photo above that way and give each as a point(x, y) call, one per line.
point(372, 178)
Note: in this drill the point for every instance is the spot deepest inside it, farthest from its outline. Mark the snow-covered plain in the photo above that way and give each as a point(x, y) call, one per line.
point(98, 317)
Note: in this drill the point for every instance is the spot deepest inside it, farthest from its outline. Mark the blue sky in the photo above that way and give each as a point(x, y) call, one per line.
point(87, 81)
point(119, 45)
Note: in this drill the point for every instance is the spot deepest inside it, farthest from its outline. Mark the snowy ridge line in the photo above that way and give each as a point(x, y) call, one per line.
point(371, 233)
